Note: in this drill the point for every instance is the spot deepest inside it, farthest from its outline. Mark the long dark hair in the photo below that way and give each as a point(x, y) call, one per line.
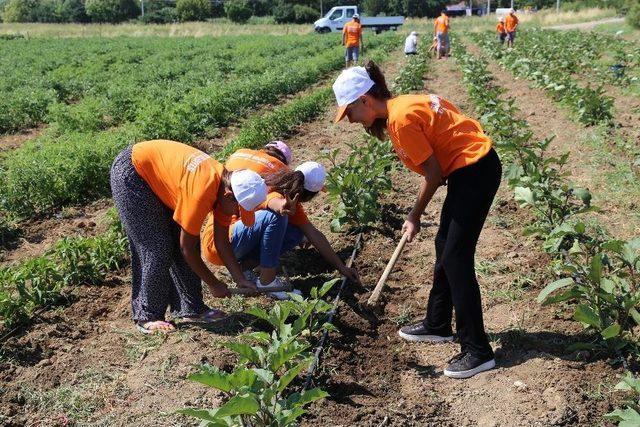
point(381, 92)
point(286, 182)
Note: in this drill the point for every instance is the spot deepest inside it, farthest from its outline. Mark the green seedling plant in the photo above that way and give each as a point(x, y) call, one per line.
point(259, 389)
point(357, 183)
point(410, 78)
point(603, 278)
point(630, 415)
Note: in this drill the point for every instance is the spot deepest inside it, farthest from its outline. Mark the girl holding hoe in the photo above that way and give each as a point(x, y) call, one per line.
point(432, 138)
point(281, 222)
point(163, 191)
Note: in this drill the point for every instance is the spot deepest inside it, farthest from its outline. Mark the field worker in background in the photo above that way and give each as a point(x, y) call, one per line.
point(163, 191)
point(511, 24)
point(441, 33)
point(432, 138)
point(411, 44)
point(281, 222)
point(352, 39)
point(500, 29)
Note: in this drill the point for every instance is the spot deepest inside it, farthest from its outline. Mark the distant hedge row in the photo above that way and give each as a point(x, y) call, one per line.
point(155, 11)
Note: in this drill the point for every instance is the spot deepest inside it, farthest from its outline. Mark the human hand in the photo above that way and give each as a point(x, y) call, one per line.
point(351, 274)
point(219, 290)
point(411, 227)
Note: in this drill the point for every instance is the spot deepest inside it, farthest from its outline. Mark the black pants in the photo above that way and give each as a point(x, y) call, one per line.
point(469, 196)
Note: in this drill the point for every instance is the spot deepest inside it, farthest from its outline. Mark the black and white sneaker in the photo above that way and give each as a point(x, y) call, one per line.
point(418, 333)
point(466, 365)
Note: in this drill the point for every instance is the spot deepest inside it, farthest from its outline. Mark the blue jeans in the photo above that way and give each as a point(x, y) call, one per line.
point(352, 53)
point(266, 240)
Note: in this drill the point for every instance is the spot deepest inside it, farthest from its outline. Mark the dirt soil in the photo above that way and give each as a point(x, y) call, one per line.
point(84, 364)
point(594, 162)
point(586, 25)
point(36, 236)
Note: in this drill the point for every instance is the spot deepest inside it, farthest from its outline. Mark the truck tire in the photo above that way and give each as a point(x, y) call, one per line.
point(324, 30)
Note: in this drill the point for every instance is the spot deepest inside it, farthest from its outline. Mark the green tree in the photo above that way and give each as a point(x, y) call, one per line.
point(111, 11)
point(20, 11)
point(237, 10)
point(193, 10)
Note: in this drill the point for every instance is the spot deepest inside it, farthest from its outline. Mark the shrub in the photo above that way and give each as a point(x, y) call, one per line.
point(283, 13)
point(193, 10)
point(237, 11)
point(111, 11)
point(166, 15)
point(633, 15)
point(20, 11)
point(304, 14)
point(70, 11)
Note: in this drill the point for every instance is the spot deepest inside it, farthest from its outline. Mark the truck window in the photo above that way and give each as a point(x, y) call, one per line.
point(350, 13)
point(337, 14)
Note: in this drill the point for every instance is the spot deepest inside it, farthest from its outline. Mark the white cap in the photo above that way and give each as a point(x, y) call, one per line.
point(356, 16)
point(414, 33)
point(512, 11)
point(314, 176)
point(350, 85)
point(249, 190)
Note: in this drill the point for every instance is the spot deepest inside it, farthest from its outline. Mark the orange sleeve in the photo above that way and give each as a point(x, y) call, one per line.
point(272, 195)
point(414, 143)
point(300, 217)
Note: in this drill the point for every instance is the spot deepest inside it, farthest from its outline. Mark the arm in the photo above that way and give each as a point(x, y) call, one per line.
point(223, 246)
point(191, 253)
point(344, 37)
point(320, 242)
point(432, 180)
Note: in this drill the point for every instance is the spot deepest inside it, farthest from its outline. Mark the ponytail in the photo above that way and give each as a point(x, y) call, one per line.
point(378, 91)
point(274, 152)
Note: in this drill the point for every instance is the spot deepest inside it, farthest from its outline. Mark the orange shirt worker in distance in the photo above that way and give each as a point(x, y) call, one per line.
point(352, 40)
point(434, 139)
point(441, 34)
point(281, 222)
point(501, 30)
point(163, 191)
point(510, 25)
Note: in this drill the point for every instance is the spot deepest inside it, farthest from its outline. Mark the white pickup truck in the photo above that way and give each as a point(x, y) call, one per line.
point(335, 19)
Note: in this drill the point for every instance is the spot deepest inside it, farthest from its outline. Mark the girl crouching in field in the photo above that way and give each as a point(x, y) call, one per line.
point(281, 222)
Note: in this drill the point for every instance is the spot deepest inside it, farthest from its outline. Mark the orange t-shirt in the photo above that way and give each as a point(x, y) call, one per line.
point(500, 27)
point(510, 23)
point(353, 30)
point(261, 163)
point(442, 24)
point(184, 178)
point(422, 125)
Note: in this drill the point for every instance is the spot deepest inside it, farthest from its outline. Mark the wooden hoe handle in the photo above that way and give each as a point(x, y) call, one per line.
point(373, 299)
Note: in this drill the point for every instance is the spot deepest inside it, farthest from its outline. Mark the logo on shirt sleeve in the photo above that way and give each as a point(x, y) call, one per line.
point(434, 103)
point(194, 160)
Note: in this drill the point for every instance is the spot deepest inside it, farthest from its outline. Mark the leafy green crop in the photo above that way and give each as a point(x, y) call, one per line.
point(259, 389)
point(72, 261)
point(539, 59)
point(357, 183)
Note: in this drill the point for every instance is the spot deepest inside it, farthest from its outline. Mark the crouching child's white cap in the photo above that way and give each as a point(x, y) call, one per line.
point(314, 176)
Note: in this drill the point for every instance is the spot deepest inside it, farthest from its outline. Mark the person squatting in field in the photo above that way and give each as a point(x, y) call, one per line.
point(163, 191)
point(434, 139)
point(411, 44)
point(281, 223)
point(352, 40)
